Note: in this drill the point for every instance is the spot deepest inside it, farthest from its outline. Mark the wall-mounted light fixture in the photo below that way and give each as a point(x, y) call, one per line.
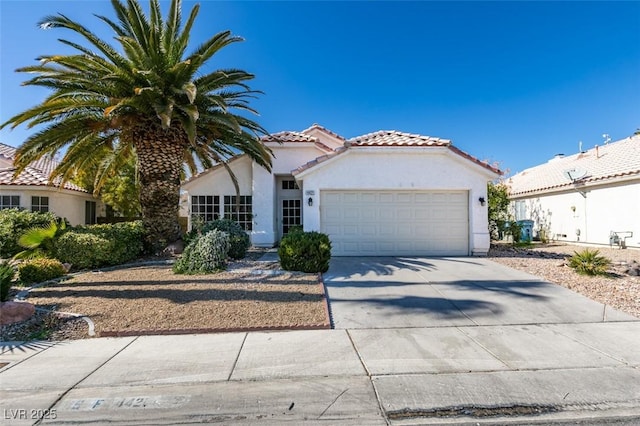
point(310, 201)
point(482, 201)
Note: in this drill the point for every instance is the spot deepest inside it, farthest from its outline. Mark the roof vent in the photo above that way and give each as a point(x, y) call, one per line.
point(557, 157)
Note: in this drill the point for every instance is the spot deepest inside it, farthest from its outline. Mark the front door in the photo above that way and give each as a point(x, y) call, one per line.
point(289, 204)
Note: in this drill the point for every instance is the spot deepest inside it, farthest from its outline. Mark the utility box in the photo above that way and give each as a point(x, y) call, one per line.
point(526, 230)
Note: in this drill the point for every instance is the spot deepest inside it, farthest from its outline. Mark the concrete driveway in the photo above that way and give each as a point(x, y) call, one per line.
point(388, 292)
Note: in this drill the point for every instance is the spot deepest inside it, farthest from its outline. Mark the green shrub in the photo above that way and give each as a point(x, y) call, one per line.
point(83, 250)
point(14, 223)
point(238, 238)
point(206, 253)
point(38, 270)
point(305, 251)
point(7, 273)
point(589, 262)
point(101, 245)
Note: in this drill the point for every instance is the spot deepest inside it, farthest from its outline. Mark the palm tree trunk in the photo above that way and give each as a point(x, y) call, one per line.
point(160, 157)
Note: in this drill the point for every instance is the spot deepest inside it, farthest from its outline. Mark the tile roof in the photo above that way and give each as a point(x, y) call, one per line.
point(614, 161)
point(395, 138)
point(295, 137)
point(288, 137)
point(316, 126)
point(35, 174)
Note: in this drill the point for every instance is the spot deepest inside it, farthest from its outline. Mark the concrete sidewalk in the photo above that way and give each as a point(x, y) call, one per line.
point(476, 374)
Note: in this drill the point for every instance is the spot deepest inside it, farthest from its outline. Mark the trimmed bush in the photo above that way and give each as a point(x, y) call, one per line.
point(7, 273)
point(101, 245)
point(14, 223)
point(238, 238)
point(305, 251)
point(38, 270)
point(589, 262)
point(207, 253)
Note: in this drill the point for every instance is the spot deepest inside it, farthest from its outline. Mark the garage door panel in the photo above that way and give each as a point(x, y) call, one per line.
point(392, 223)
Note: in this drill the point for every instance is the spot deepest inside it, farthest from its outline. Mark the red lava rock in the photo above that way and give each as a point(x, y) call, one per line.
point(11, 312)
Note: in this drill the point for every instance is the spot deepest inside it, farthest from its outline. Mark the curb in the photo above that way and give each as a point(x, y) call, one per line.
point(170, 332)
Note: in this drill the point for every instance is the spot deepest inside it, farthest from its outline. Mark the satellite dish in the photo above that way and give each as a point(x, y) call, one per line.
point(574, 174)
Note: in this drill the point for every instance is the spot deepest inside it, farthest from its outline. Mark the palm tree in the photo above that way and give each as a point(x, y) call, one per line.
point(149, 99)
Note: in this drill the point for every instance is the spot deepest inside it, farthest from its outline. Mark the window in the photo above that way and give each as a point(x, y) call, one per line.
point(89, 212)
point(205, 207)
point(520, 210)
point(290, 184)
point(39, 204)
point(291, 214)
point(239, 211)
point(9, 202)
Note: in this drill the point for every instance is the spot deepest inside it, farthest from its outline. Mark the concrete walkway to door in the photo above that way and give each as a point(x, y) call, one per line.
point(396, 292)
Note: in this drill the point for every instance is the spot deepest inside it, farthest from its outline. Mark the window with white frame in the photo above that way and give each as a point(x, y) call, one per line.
point(9, 202)
point(39, 204)
point(239, 210)
point(205, 208)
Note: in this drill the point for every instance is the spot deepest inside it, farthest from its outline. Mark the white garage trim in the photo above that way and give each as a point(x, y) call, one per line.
point(396, 223)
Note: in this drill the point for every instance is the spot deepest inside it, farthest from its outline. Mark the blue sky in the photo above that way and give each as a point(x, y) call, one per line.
point(509, 82)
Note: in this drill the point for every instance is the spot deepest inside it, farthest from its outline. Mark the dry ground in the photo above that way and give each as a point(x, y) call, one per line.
point(152, 298)
point(617, 289)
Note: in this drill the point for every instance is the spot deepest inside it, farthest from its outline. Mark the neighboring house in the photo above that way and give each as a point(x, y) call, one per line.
point(586, 197)
point(384, 193)
point(32, 190)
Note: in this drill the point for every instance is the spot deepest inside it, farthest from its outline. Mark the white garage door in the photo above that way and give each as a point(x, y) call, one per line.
point(396, 223)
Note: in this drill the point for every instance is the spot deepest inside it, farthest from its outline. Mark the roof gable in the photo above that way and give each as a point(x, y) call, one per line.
point(35, 174)
point(607, 163)
point(393, 138)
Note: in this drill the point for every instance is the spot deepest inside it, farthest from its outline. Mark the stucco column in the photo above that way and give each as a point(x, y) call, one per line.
point(478, 220)
point(262, 189)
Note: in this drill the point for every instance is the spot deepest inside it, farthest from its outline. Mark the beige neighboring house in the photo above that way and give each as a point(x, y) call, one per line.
point(591, 197)
point(32, 190)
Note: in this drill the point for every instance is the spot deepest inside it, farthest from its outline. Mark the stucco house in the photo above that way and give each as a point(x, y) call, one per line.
point(591, 197)
point(383, 193)
point(33, 191)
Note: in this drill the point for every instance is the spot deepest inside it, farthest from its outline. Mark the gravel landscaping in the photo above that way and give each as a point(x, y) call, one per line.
point(618, 289)
point(153, 300)
point(258, 295)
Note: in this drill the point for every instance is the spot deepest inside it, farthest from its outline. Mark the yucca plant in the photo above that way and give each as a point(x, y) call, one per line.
point(589, 262)
point(146, 97)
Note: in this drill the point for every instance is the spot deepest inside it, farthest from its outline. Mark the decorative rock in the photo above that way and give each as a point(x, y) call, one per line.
point(634, 272)
point(177, 247)
point(11, 312)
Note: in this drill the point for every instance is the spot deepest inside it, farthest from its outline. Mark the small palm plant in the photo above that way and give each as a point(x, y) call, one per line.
point(7, 273)
point(38, 242)
point(589, 262)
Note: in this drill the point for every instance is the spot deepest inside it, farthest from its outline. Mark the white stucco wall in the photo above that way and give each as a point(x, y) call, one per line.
point(217, 182)
point(290, 156)
point(254, 180)
point(604, 209)
point(402, 169)
point(63, 203)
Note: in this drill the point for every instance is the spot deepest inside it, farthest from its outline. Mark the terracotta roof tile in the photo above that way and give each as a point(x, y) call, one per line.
point(613, 161)
point(36, 174)
point(315, 126)
point(288, 137)
point(395, 138)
